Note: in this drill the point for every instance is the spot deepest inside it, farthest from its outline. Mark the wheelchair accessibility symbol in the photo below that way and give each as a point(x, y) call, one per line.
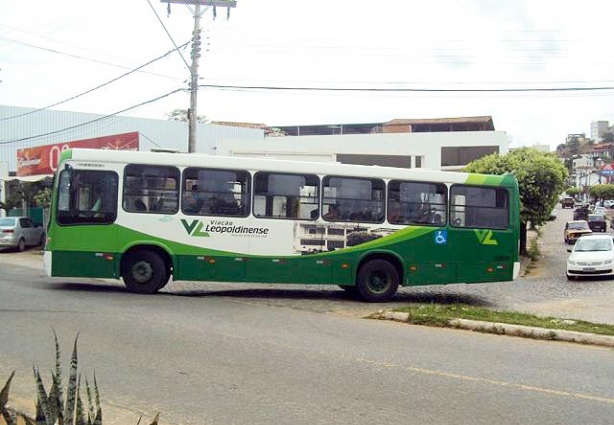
point(441, 237)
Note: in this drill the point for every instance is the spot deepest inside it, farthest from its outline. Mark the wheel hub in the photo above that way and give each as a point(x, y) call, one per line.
point(378, 282)
point(142, 272)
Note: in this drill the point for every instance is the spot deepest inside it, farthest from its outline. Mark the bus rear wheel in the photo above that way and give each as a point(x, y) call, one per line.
point(377, 281)
point(144, 272)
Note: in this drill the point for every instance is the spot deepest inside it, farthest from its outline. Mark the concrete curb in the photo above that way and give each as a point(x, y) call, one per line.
point(513, 330)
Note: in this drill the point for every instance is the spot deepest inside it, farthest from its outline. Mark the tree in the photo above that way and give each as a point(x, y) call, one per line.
point(43, 198)
point(541, 179)
point(573, 191)
point(602, 191)
point(182, 115)
point(34, 194)
point(608, 137)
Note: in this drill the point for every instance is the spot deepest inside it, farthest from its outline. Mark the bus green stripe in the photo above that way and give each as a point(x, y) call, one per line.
point(114, 238)
point(483, 179)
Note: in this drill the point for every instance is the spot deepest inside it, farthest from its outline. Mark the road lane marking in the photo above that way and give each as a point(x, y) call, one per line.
point(498, 383)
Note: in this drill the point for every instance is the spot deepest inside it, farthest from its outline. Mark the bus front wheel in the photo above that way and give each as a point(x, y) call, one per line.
point(144, 272)
point(377, 281)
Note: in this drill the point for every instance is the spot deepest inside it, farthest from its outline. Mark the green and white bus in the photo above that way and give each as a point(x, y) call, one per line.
point(147, 217)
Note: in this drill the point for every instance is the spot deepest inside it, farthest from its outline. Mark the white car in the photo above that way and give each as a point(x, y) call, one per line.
point(599, 210)
point(608, 203)
point(19, 232)
point(592, 255)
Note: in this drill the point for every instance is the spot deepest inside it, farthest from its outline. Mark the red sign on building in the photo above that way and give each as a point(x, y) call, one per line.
point(44, 159)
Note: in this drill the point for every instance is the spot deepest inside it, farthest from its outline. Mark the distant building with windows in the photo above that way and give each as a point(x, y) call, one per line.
point(598, 128)
point(441, 144)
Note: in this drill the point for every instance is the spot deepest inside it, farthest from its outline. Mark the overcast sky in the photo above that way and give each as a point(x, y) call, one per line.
point(51, 51)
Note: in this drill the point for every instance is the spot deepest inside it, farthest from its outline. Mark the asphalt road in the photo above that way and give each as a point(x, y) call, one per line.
point(225, 357)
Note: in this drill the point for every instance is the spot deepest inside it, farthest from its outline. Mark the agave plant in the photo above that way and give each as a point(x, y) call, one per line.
point(50, 407)
point(4, 398)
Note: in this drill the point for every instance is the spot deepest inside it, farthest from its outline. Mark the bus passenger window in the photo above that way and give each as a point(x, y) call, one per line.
point(216, 192)
point(286, 196)
point(151, 189)
point(356, 199)
point(479, 207)
point(417, 203)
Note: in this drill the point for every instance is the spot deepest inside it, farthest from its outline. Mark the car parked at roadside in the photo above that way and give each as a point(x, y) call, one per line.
point(608, 203)
point(575, 229)
point(20, 232)
point(593, 255)
point(597, 222)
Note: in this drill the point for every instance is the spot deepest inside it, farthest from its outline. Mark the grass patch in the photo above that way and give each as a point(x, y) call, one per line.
point(440, 315)
point(533, 252)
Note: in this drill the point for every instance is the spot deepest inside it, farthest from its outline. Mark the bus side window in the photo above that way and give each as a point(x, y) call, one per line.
point(479, 207)
point(216, 192)
point(416, 202)
point(358, 199)
point(151, 189)
point(286, 196)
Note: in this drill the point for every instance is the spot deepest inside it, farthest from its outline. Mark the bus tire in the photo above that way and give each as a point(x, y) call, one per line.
point(377, 281)
point(144, 272)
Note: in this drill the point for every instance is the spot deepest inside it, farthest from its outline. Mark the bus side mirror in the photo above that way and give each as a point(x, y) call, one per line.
point(68, 168)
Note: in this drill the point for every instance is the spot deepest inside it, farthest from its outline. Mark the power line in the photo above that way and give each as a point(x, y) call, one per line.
point(76, 56)
point(426, 90)
point(97, 87)
point(154, 143)
point(8, 142)
point(168, 33)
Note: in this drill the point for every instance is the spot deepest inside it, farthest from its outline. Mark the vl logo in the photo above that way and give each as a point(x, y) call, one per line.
point(195, 228)
point(485, 237)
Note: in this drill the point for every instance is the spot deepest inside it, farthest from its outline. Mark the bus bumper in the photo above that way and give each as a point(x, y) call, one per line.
point(516, 270)
point(47, 262)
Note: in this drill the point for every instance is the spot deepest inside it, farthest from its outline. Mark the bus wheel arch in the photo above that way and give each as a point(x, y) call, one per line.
point(378, 277)
point(145, 269)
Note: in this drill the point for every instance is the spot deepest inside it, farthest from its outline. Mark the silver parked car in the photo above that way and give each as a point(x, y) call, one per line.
point(19, 232)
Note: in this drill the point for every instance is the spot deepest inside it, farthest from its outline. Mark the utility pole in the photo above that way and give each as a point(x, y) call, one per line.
point(193, 111)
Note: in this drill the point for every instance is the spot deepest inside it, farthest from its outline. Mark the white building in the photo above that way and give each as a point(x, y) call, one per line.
point(541, 148)
point(447, 143)
point(28, 127)
point(598, 128)
point(585, 170)
point(441, 150)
